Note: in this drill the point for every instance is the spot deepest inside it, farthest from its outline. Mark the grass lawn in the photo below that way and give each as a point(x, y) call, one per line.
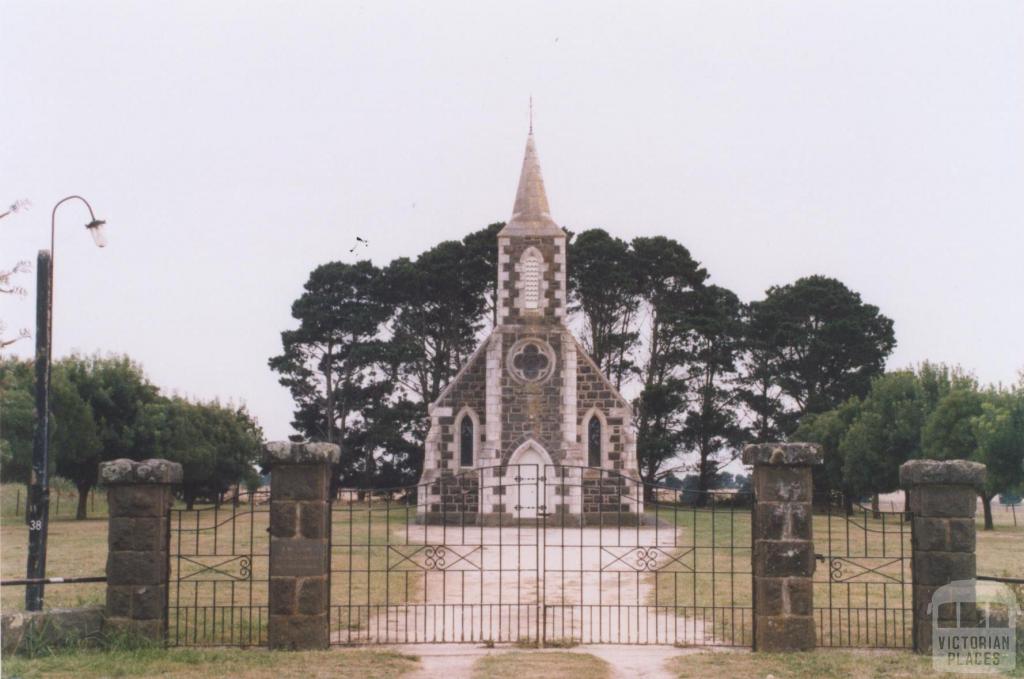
point(63, 500)
point(74, 548)
point(709, 575)
point(703, 574)
point(715, 544)
point(210, 606)
point(999, 550)
point(549, 665)
point(385, 664)
point(822, 664)
point(221, 609)
point(713, 569)
point(202, 663)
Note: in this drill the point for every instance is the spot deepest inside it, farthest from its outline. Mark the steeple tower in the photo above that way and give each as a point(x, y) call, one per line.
point(531, 252)
point(531, 215)
point(529, 397)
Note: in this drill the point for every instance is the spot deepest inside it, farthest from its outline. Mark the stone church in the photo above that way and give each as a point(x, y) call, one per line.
point(530, 406)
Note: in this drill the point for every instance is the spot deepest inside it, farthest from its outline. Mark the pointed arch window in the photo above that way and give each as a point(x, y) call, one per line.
point(467, 435)
point(531, 280)
point(594, 441)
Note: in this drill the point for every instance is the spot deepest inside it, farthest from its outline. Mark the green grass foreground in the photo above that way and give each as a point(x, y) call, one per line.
point(822, 664)
point(203, 663)
point(522, 664)
point(711, 550)
point(549, 665)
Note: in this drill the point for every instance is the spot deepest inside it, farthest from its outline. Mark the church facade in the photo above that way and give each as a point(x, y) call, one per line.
point(530, 406)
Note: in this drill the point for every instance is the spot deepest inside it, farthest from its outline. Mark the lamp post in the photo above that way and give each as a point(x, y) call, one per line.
point(39, 488)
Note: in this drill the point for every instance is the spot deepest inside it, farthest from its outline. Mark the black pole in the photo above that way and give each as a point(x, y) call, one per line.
point(39, 486)
point(53, 581)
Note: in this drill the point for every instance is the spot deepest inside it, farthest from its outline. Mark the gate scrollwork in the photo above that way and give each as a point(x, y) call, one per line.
point(433, 558)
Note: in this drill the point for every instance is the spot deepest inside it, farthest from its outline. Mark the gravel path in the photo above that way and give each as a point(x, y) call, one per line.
point(596, 582)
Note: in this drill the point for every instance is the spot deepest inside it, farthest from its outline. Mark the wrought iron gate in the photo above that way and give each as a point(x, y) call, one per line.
point(540, 554)
point(863, 594)
point(219, 573)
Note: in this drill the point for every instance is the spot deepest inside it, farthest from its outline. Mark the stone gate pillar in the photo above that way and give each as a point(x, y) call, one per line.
point(139, 497)
point(943, 501)
point(300, 529)
point(783, 546)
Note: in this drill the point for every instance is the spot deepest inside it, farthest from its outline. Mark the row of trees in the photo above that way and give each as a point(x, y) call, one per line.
point(104, 408)
point(706, 371)
point(713, 372)
point(375, 345)
point(933, 412)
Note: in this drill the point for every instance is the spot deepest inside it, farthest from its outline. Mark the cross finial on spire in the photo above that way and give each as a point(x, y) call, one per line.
point(531, 215)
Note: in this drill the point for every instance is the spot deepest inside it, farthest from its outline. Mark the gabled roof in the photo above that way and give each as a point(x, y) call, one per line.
point(581, 353)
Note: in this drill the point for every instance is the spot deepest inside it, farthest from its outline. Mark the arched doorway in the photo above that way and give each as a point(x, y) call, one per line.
point(530, 494)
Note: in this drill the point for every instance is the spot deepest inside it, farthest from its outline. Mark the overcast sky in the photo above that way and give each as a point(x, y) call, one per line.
point(233, 146)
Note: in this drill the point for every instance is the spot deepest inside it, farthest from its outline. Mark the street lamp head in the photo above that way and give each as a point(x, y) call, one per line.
point(98, 235)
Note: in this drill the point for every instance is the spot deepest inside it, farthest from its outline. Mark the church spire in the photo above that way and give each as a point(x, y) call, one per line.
point(531, 215)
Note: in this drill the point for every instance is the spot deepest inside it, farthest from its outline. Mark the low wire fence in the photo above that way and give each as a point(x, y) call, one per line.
point(63, 501)
point(1010, 515)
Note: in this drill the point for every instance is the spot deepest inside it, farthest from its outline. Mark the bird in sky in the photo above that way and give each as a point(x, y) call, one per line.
point(360, 242)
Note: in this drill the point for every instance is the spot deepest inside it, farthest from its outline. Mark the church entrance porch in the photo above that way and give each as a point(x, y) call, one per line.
point(530, 494)
point(525, 493)
point(535, 572)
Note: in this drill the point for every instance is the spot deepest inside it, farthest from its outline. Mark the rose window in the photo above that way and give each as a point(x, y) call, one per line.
point(531, 361)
